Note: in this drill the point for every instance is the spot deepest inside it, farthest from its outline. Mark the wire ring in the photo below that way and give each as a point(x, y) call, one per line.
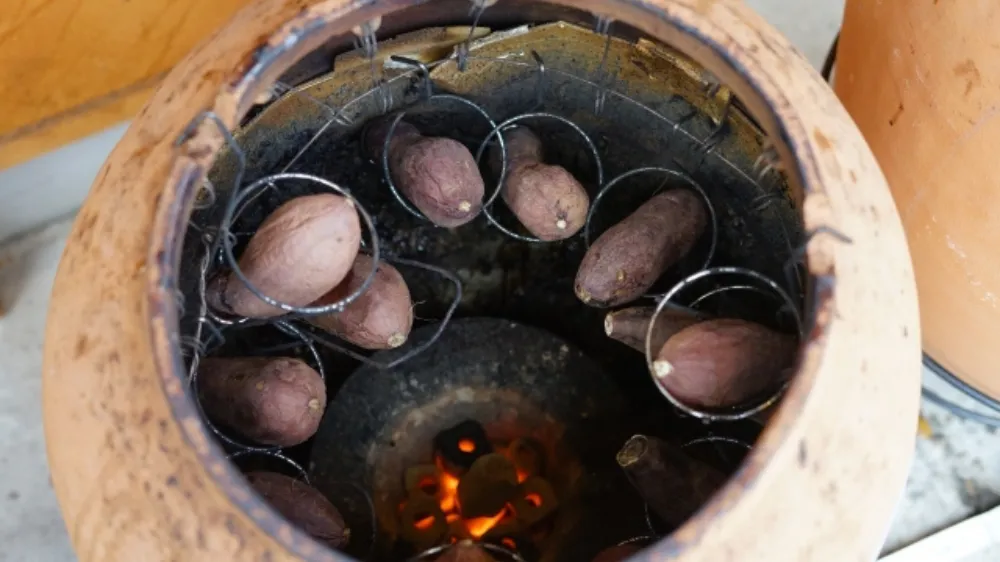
point(640, 540)
point(227, 244)
point(243, 446)
point(392, 130)
point(497, 132)
point(734, 413)
point(274, 454)
point(670, 173)
point(489, 547)
point(315, 336)
point(713, 439)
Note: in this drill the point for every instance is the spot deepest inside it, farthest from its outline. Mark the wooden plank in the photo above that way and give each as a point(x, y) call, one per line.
point(72, 67)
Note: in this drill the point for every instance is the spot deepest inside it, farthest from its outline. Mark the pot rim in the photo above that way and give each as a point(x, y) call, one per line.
point(722, 36)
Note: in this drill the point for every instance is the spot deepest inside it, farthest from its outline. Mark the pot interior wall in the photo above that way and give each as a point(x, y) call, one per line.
point(651, 93)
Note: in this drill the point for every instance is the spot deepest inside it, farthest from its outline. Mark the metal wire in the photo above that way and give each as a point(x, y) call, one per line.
point(323, 339)
point(730, 414)
point(231, 261)
point(488, 547)
point(387, 174)
point(510, 123)
point(602, 27)
point(236, 443)
point(272, 454)
point(221, 241)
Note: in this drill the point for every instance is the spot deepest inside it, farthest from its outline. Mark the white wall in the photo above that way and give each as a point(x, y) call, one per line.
point(53, 184)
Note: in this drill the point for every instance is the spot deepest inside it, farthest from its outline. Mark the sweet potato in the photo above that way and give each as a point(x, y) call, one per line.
point(625, 261)
point(671, 482)
point(617, 553)
point(380, 318)
point(304, 506)
point(301, 251)
point(465, 551)
point(438, 175)
point(630, 325)
point(274, 401)
point(547, 199)
point(723, 362)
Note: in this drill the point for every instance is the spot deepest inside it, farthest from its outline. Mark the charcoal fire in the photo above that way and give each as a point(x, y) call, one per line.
point(487, 486)
point(535, 501)
point(460, 446)
point(423, 523)
point(500, 496)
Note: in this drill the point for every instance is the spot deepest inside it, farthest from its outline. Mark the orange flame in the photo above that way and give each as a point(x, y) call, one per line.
point(481, 525)
point(448, 498)
point(424, 523)
point(449, 492)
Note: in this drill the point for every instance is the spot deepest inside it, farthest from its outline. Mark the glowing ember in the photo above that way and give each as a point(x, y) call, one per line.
point(481, 525)
point(466, 445)
point(449, 492)
point(443, 488)
point(534, 499)
point(424, 523)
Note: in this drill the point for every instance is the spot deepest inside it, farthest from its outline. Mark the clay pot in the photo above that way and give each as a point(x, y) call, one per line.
point(139, 477)
point(921, 81)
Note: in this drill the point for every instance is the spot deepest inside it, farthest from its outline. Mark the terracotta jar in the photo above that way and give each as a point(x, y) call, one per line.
point(139, 477)
point(921, 81)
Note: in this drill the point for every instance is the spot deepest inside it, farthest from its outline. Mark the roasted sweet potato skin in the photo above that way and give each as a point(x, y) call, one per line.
point(630, 325)
point(304, 506)
point(617, 553)
point(438, 175)
point(548, 200)
point(301, 250)
point(273, 401)
point(465, 551)
point(724, 362)
point(625, 261)
point(380, 318)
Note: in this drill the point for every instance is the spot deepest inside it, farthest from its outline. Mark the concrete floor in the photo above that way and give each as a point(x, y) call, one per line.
point(956, 473)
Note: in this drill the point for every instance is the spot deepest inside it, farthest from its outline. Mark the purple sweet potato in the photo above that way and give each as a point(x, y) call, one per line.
point(304, 506)
point(625, 261)
point(465, 551)
point(725, 362)
point(438, 175)
point(630, 325)
point(273, 401)
point(617, 553)
point(301, 251)
point(380, 318)
point(547, 199)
